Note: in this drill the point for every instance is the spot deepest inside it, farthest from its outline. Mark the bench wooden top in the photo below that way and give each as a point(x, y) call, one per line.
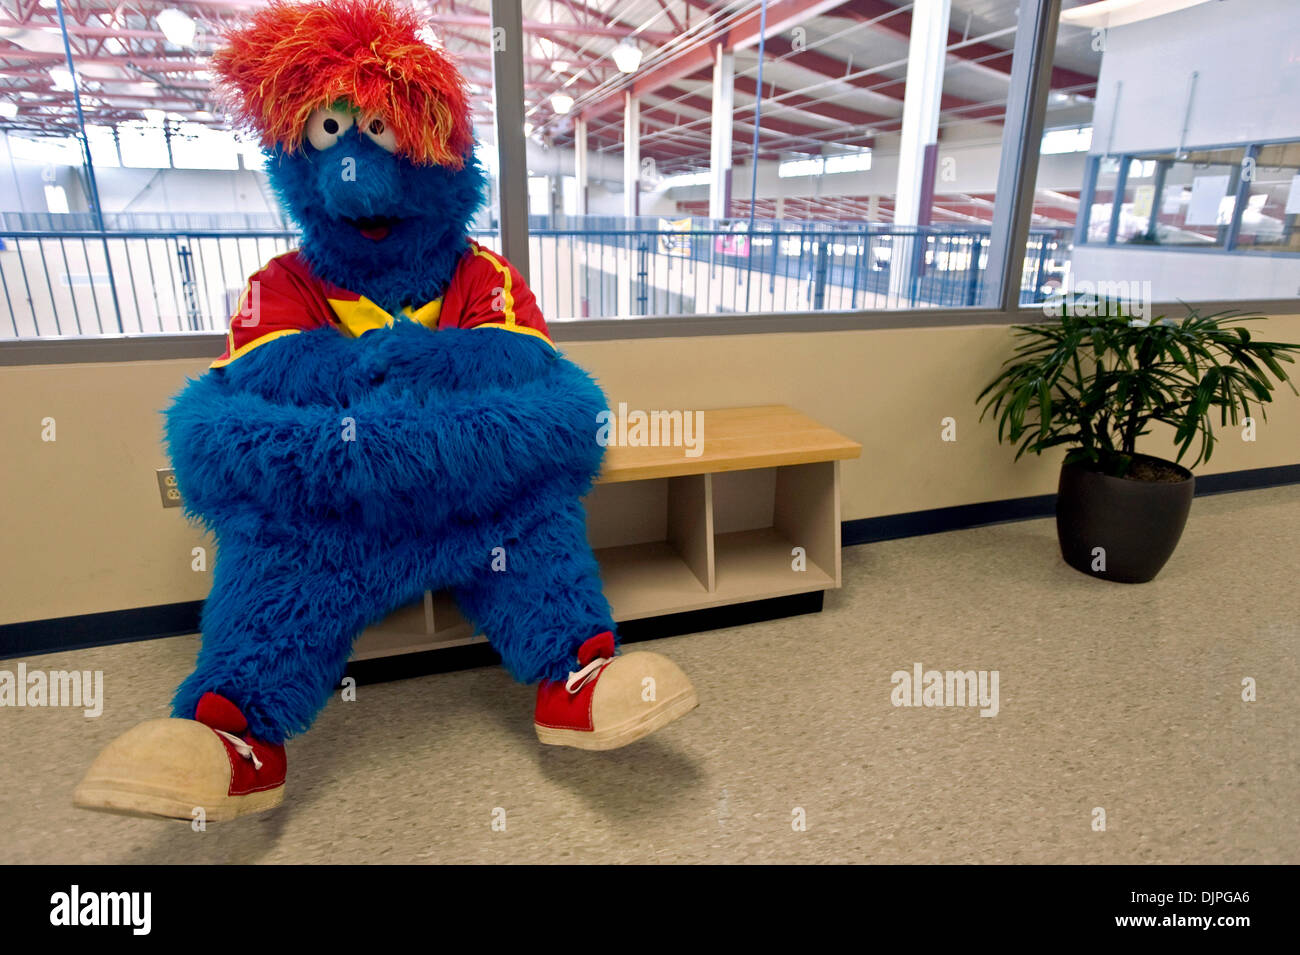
point(734, 439)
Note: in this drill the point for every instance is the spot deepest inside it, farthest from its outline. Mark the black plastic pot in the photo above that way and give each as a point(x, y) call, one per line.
point(1136, 524)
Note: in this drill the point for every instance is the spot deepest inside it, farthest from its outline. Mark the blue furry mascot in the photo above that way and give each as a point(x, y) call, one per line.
point(389, 412)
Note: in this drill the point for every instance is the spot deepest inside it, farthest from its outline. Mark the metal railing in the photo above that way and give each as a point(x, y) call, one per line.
point(59, 277)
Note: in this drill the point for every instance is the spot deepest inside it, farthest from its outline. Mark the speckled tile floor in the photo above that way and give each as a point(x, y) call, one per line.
point(1111, 696)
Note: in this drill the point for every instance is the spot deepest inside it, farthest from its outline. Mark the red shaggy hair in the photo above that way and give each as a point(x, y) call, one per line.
point(290, 59)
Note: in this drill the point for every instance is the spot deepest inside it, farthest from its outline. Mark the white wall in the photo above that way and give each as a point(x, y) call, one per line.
point(1190, 276)
point(22, 184)
point(553, 161)
point(90, 535)
point(181, 190)
point(133, 190)
point(1247, 55)
point(973, 169)
point(974, 153)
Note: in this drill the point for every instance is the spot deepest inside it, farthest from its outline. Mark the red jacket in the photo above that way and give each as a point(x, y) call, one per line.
point(284, 297)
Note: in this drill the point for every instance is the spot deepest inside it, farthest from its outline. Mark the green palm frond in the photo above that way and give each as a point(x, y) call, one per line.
point(1099, 381)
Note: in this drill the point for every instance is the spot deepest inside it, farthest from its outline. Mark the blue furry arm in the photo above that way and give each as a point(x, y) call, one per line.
point(391, 454)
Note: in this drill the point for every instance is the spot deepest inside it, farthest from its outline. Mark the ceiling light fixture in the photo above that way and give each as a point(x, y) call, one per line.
point(1118, 13)
point(177, 26)
point(562, 103)
point(560, 66)
point(61, 79)
point(627, 56)
point(8, 110)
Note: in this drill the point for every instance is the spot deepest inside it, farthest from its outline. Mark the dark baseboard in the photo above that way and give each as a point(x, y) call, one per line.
point(99, 629)
point(917, 523)
point(172, 620)
point(169, 620)
point(408, 665)
point(716, 618)
point(1248, 480)
point(868, 530)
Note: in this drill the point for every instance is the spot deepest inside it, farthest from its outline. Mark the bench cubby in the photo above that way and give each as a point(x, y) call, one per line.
point(756, 516)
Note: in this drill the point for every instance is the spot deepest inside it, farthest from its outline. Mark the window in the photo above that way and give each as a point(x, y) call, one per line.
point(857, 161)
point(1073, 140)
point(1272, 201)
point(693, 159)
point(143, 145)
point(539, 195)
point(56, 200)
point(1059, 219)
point(1102, 206)
point(196, 146)
point(1193, 199)
point(1190, 151)
point(768, 166)
point(1135, 201)
point(1233, 199)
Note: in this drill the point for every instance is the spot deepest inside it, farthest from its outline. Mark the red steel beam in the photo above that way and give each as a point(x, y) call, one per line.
point(994, 57)
point(832, 68)
point(843, 114)
point(769, 123)
point(740, 35)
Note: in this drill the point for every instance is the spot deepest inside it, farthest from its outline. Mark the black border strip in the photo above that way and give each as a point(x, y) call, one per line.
point(170, 620)
point(99, 629)
point(868, 530)
point(407, 665)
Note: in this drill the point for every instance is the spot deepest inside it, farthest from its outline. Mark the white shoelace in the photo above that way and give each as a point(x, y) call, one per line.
point(580, 678)
point(241, 747)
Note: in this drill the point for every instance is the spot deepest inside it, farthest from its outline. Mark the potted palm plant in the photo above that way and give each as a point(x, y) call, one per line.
point(1097, 381)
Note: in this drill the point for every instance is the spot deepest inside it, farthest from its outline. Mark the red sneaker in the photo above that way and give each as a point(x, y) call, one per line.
point(612, 700)
point(170, 768)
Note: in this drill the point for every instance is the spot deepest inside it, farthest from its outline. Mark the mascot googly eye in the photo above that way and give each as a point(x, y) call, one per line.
point(380, 133)
point(326, 126)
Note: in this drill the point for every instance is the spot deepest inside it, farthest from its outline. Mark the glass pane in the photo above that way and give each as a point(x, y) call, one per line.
point(1136, 203)
point(1186, 185)
point(1272, 201)
point(1197, 199)
point(825, 168)
point(1103, 202)
point(187, 209)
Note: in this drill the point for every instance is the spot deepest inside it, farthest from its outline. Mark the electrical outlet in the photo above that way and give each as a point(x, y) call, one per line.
point(171, 495)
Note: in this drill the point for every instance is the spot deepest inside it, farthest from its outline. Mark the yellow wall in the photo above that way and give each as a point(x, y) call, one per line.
point(82, 529)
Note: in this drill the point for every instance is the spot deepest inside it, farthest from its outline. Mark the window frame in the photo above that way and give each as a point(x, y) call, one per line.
point(1032, 55)
point(1232, 230)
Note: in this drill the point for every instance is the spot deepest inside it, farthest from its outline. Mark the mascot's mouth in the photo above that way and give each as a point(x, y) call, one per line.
point(374, 227)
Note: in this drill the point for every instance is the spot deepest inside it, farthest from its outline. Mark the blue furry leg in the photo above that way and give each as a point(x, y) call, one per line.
point(546, 600)
point(276, 638)
point(286, 605)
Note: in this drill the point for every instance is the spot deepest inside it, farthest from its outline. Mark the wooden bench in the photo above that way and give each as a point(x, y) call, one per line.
point(755, 515)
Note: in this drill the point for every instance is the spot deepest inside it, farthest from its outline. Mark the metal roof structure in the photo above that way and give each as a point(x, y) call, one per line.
point(833, 70)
